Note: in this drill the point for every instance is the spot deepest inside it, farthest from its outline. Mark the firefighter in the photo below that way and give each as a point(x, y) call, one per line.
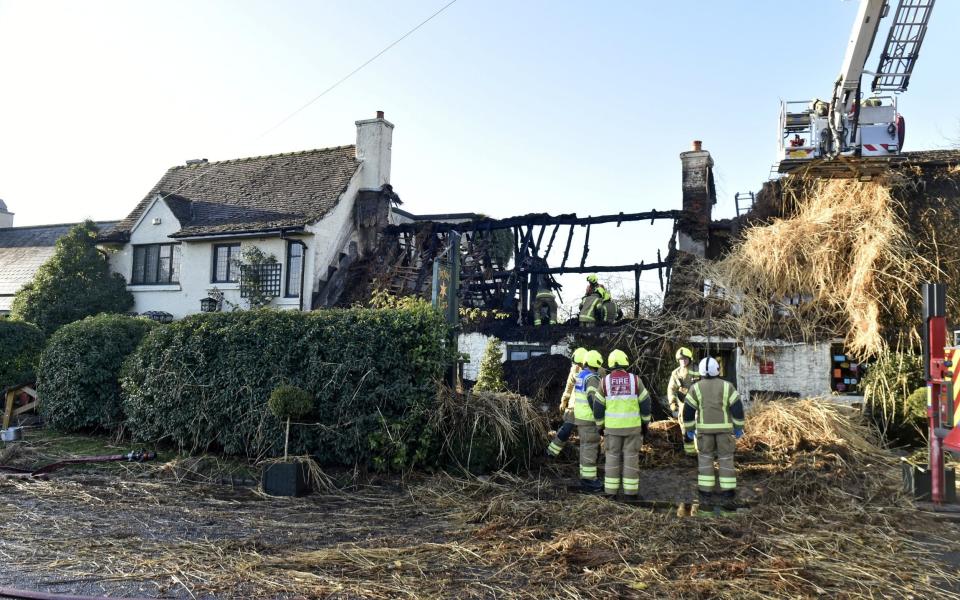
point(590, 308)
point(545, 307)
point(545, 304)
point(626, 417)
point(680, 381)
point(588, 409)
point(566, 407)
point(713, 413)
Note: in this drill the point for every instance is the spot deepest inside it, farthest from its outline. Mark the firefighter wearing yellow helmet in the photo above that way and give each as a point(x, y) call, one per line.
point(597, 305)
point(681, 379)
point(566, 407)
point(588, 414)
point(626, 417)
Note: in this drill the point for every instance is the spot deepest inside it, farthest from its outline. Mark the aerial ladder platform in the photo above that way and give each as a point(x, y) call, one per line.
point(852, 135)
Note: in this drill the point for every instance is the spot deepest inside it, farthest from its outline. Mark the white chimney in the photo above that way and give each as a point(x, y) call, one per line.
point(6, 217)
point(374, 141)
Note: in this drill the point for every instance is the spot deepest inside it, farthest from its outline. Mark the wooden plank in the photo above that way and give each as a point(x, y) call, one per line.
point(586, 247)
point(26, 407)
point(566, 251)
point(550, 244)
point(30, 391)
point(8, 411)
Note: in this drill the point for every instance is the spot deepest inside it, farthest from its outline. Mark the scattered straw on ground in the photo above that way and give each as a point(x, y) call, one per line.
point(505, 536)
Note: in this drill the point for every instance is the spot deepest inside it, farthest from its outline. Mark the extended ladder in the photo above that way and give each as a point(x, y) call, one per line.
point(902, 46)
point(744, 202)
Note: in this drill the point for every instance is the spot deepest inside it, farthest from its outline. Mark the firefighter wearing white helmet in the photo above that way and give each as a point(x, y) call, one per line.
point(566, 407)
point(680, 381)
point(588, 414)
point(713, 412)
point(626, 417)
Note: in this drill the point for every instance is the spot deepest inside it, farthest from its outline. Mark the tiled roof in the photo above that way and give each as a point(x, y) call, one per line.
point(23, 250)
point(251, 194)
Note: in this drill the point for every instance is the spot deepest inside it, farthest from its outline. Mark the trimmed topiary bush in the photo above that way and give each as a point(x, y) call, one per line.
point(289, 402)
point(20, 347)
point(203, 382)
point(78, 379)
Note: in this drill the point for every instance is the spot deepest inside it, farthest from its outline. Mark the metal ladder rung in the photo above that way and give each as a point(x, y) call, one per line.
point(902, 47)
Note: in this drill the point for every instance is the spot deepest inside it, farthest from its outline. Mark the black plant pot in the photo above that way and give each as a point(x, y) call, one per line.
point(286, 479)
point(916, 482)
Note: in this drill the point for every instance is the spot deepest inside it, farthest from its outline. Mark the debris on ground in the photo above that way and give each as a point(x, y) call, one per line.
point(827, 519)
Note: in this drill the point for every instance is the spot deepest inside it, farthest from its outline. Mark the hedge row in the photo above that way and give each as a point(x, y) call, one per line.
point(80, 368)
point(203, 383)
point(20, 347)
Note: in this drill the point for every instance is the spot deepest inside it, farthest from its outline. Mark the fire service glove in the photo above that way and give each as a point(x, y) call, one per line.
point(738, 433)
point(691, 434)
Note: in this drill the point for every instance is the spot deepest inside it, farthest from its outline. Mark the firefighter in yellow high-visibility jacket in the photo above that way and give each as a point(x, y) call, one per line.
point(681, 379)
point(713, 413)
point(626, 417)
point(588, 410)
point(566, 407)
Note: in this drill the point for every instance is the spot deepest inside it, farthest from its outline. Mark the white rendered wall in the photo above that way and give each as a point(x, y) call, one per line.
point(332, 234)
point(196, 262)
point(802, 369)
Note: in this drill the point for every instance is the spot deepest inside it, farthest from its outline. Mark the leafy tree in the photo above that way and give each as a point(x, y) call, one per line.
point(490, 378)
point(20, 347)
point(75, 283)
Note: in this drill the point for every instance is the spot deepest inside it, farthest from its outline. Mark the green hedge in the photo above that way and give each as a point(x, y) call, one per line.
point(204, 382)
point(78, 378)
point(20, 347)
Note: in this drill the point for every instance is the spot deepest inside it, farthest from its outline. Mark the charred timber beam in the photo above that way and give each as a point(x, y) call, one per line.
point(595, 269)
point(534, 219)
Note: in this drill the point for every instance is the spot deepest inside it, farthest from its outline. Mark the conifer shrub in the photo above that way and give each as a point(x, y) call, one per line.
point(490, 376)
point(20, 347)
point(78, 379)
point(204, 383)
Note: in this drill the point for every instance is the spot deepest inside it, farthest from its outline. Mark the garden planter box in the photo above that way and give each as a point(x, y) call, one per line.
point(916, 482)
point(286, 479)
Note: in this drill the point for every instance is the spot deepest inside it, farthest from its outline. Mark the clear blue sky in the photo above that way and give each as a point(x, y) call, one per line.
point(501, 107)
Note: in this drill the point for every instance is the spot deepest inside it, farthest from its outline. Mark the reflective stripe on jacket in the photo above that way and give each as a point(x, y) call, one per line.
point(588, 306)
point(587, 399)
point(680, 381)
point(712, 405)
point(627, 403)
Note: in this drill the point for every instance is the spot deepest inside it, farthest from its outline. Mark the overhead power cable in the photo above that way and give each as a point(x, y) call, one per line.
point(357, 70)
point(329, 89)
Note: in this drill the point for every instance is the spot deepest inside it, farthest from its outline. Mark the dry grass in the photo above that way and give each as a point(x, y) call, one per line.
point(479, 423)
point(503, 536)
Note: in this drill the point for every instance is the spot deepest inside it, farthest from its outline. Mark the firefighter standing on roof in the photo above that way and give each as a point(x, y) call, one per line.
point(680, 381)
point(713, 412)
point(626, 417)
point(588, 413)
point(566, 407)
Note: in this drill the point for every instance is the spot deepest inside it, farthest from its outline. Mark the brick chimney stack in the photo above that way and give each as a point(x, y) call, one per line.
point(699, 196)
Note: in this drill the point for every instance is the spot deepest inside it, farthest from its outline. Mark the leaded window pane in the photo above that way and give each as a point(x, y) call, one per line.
point(153, 255)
